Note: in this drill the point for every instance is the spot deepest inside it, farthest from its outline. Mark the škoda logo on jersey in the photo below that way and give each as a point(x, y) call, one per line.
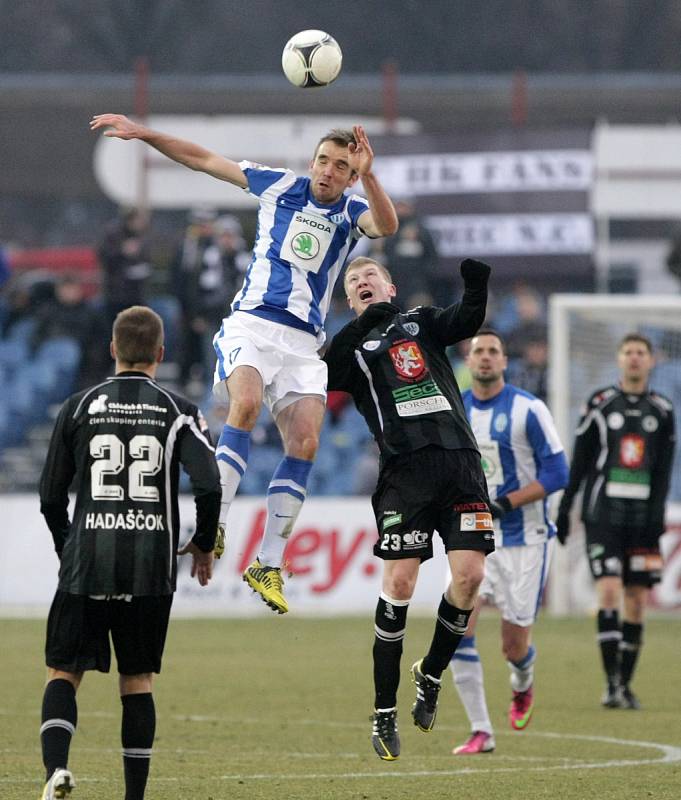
point(408, 360)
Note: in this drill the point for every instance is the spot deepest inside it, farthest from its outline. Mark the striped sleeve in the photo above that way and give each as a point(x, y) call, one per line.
point(261, 178)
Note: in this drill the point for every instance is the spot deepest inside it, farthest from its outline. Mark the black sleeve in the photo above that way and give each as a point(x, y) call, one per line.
point(661, 476)
point(340, 358)
point(583, 455)
point(198, 458)
point(463, 319)
point(57, 474)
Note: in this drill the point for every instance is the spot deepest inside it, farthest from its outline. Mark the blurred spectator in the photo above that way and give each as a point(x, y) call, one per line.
point(68, 316)
point(208, 272)
point(223, 268)
point(190, 270)
point(674, 254)
point(202, 289)
point(521, 306)
point(126, 264)
point(412, 257)
point(529, 371)
point(23, 296)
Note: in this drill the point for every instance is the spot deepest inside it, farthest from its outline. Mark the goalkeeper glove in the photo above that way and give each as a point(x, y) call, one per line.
point(563, 526)
point(474, 272)
point(219, 547)
point(500, 507)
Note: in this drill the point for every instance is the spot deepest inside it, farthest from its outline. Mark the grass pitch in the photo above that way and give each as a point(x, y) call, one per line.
point(279, 708)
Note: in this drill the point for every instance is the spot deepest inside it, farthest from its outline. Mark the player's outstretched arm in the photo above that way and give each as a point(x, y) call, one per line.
point(381, 220)
point(187, 153)
point(202, 563)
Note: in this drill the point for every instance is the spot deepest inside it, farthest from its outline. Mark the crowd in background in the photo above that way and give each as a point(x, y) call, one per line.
point(54, 337)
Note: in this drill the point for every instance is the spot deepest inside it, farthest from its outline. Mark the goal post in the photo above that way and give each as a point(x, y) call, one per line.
point(584, 331)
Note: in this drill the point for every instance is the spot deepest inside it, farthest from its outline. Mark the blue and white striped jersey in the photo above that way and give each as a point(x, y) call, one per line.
point(519, 444)
point(300, 248)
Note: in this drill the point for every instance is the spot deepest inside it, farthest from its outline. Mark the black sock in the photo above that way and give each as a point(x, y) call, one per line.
point(59, 718)
point(609, 637)
point(630, 646)
point(138, 727)
point(450, 627)
point(391, 621)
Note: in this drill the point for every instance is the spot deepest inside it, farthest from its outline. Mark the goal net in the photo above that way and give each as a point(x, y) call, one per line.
point(584, 331)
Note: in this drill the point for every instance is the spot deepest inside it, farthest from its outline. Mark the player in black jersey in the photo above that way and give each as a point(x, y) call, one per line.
point(396, 368)
point(623, 453)
point(123, 441)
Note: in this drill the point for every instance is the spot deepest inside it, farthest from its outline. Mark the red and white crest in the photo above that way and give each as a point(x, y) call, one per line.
point(408, 360)
point(632, 451)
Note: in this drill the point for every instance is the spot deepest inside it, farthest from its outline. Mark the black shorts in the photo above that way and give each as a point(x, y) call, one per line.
point(427, 490)
point(78, 630)
point(632, 554)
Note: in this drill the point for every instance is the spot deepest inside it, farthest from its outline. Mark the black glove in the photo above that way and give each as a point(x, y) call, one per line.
point(500, 507)
point(563, 525)
point(373, 315)
point(475, 273)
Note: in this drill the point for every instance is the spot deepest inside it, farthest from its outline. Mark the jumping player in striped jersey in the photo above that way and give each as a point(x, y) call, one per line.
point(524, 462)
point(267, 349)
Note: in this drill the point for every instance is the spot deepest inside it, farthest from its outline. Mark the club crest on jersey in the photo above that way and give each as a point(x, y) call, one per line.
point(650, 424)
point(408, 360)
point(615, 421)
point(337, 218)
point(500, 423)
point(412, 328)
point(632, 450)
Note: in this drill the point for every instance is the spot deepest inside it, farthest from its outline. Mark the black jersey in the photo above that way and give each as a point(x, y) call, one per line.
point(624, 449)
point(123, 441)
point(395, 366)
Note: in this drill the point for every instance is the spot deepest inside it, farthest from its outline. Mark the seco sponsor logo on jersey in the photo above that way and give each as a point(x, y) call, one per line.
point(420, 398)
point(408, 360)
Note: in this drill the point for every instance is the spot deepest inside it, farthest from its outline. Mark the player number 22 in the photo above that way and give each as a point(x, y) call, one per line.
point(109, 454)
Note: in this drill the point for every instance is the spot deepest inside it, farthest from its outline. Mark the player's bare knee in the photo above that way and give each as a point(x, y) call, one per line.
point(466, 581)
point(400, 580)
point(401, 588)
point(244, 412)
point(463, 590)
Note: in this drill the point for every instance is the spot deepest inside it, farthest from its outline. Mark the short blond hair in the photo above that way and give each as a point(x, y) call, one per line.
point(362, 261)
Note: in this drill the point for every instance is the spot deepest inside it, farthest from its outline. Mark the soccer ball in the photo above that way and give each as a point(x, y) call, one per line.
point(311, 58)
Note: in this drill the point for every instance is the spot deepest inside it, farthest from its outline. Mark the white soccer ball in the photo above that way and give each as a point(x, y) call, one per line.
point(311, 58)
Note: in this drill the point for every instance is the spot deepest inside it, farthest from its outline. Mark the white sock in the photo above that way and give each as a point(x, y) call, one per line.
point(522, 672)
point(232, 457)
point(285, 497)
point(282, 512)
point(468, 679)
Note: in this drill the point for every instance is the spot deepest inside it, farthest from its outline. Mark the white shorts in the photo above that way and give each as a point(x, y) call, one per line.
point(286, 358)
point(515, 578)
